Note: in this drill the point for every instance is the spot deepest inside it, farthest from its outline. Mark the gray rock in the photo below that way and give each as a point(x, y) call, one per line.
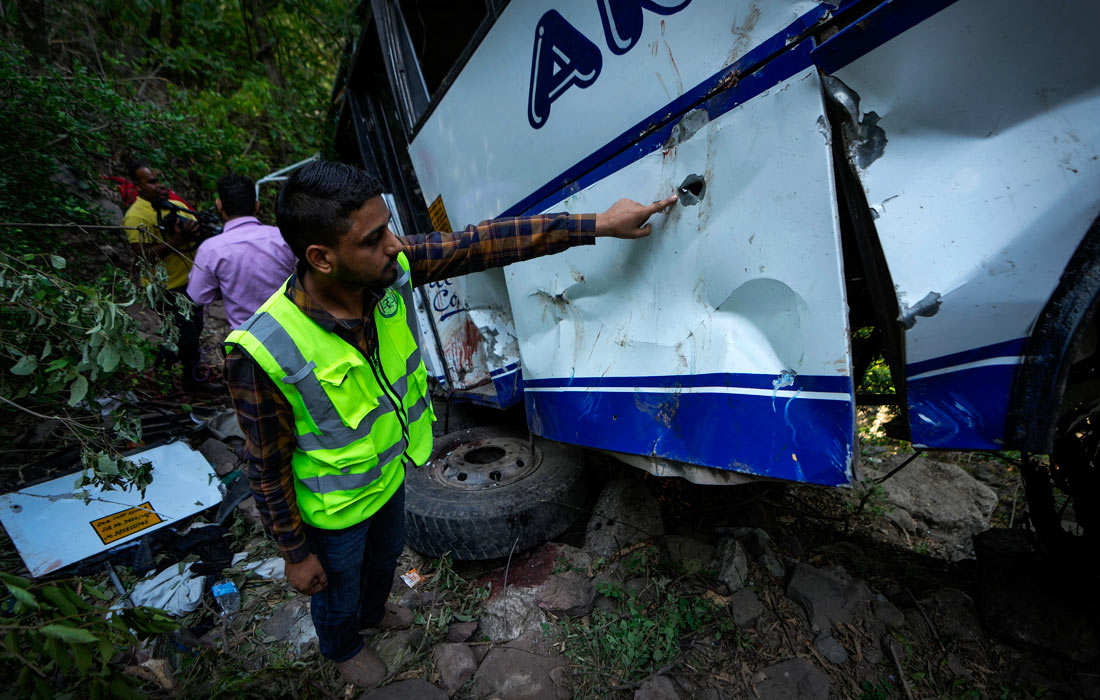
point(902, 519)
point(832, 650)
point(220, 456)
point(828, 596)
point(690, 554)
point(886, 613)
point(796, 678)
point(511, 614)
point(461, 631)
point(248, 511)
point(745, 607)
point(733, 563)
point(625, 513)
point(525, 669)
point(413, 689)
point(575, 558)
point(954, 614)
point(657, 688)
point(455, 664)
point(771, 564)
point(113, 211)
point(943, 498)
point(568, 593)
point(292, 624)
point(399, 646)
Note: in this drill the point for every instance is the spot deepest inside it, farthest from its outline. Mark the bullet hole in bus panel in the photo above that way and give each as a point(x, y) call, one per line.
point(692, 190)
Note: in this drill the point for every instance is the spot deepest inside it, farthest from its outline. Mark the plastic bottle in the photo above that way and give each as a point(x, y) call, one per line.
point(227, 595)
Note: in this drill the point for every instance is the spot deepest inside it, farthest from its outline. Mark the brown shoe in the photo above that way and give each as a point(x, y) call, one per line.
point(364, 670)
point(394, 617)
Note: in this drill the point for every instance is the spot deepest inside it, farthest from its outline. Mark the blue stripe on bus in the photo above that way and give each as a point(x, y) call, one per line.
point(796, 439)
point(835, 384)
point(966, 409)
point(1007, 348)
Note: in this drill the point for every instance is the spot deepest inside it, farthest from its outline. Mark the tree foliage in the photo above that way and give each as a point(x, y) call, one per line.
point(196, 88)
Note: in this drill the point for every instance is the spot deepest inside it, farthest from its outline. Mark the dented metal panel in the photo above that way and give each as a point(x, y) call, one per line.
point(982, 182)
point(481, 154)
point(53, 524)
point(722, 339)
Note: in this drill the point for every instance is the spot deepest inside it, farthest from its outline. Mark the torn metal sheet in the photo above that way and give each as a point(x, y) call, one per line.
point(984, 191)
point(52, 526)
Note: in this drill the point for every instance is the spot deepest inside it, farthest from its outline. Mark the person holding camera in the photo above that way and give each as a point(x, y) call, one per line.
point(161, 228)
point(246, 263)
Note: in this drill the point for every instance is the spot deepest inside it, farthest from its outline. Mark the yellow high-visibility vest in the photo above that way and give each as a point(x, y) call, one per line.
point(357, 420)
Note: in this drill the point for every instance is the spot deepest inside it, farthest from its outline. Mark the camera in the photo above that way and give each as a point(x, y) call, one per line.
point(169, 215)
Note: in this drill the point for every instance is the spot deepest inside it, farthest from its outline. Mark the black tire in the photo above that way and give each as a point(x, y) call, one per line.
point(481, 495)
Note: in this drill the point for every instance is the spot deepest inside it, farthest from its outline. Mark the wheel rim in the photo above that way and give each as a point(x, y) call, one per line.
point(486, 464)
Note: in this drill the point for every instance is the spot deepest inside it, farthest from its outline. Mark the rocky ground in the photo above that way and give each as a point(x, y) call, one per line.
point(924, 585)
point(664, 589)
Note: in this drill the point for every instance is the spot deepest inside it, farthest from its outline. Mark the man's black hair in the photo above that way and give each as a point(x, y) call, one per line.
point(238, 195)
point(314, 205)
point(135, 164)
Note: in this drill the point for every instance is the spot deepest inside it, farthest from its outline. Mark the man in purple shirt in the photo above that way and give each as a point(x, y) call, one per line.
point(247, 262)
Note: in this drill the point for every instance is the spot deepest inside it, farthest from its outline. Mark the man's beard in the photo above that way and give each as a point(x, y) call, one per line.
point(347, 276)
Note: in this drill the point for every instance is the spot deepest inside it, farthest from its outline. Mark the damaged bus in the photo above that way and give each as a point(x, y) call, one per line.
point(914, 182)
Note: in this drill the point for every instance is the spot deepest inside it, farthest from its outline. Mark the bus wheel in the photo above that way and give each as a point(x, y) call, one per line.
point(489, 492)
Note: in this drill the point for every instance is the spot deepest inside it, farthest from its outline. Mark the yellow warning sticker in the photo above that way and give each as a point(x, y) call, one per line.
point(438, 214)
point(127, 522)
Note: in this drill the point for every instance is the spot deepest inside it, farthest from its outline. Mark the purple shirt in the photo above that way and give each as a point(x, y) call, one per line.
point(243, 265)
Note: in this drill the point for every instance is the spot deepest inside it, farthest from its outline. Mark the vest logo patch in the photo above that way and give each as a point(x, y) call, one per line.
point(388, 304)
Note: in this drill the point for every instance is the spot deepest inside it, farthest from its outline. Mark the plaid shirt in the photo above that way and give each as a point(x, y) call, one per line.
point(265, 415)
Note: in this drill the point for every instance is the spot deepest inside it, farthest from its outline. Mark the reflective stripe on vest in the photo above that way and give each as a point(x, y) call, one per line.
point(335, 434)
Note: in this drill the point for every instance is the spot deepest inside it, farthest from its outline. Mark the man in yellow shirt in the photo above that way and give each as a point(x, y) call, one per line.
point(176, 250)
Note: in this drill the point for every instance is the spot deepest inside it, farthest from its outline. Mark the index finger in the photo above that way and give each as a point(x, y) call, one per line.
point(662, 204)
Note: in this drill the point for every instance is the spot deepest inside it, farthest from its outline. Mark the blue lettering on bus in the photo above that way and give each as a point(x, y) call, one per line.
point(563, 57)
point(622, 19)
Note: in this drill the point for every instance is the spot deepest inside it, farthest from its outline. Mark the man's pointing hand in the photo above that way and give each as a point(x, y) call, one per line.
point(627, 218)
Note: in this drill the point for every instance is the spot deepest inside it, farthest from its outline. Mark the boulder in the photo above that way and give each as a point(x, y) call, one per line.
point(941, 498)
point(657, 688)
point(525, 669)
point(455, 664)
point(461, 631)
point(829, 596)
point(399, 646)
point(567, 593)
point(830, 649)
point(511, 614)
point(733, 563)
point(625, 513)
point(745, 607)
point(795, 678)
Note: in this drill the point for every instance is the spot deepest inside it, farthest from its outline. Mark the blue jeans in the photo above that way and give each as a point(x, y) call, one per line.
point(359, 562)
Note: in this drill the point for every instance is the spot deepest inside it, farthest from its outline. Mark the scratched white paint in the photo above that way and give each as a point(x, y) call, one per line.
point(477, 149)
point(747, 281)
point(483, 160)
point(990, 175)
point(49, 523)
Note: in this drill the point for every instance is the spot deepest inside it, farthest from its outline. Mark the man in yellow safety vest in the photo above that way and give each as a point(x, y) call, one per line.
point(332, 394)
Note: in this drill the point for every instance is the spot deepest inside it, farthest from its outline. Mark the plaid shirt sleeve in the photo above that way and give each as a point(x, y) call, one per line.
point(267, 421)
point(436, 256)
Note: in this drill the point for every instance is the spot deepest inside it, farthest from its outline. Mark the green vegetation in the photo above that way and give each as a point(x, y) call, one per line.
point(60, 636)
point(196, 89)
